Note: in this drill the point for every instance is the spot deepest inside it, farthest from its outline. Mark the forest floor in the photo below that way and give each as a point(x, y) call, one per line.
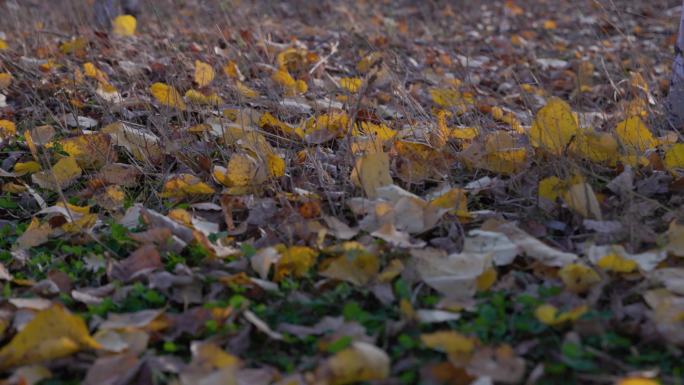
point(339, 192)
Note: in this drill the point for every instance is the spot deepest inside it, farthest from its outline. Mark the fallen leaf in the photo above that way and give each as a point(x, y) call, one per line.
point(360, 362)
point(554, 127)
point(185, 186)
point(167, 95)
point(124, 25)
point(52, 333)
point(372, 171)
point(204, 73)
point(60, 176)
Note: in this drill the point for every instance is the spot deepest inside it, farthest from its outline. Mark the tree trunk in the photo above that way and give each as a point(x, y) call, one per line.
point(675, 97)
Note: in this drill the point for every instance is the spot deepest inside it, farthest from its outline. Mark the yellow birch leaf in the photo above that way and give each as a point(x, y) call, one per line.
point(351, 84)
point(245, 91)
point(635, 136)
point(596, 147)
point(61, 175)
point(361, 362)
point(485, 281)
point(550, 315)
point(3, 45)
point(271, 123)
point(167, 95)
point(23, 168)
point(356, 266)
point(275, 165)
point(53, 333)
point(5, 80)
point(7, 129)
point(550, 188)
point(197, 97)
point(124, 25)
point(674, 157)
point(578, 278)
point(91, 71)
point(204, 73)
point(294, 261)
point(617, 263)
point(448, 341)
point(372, 171)
point(242, 171)
point(76, 45)
point(638, 381)
point(446, 97)
point(554, 127)
point(185, 185)
point(231, 70)
point(90, 151)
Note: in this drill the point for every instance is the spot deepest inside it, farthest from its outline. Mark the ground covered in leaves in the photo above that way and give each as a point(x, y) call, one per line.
point(338, 192)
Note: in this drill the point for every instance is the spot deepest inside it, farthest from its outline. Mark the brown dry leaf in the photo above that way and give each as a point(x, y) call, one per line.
point(372, 171)
point(112, 370)
point(142, 261)
point(51, 334)
point(144, 145)
point(60, 176)
point(501, 364)
point(121, 174)
point(360, 362)
point(90, 151)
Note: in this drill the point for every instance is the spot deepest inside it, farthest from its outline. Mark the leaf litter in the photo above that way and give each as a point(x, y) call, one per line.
point(338, 193)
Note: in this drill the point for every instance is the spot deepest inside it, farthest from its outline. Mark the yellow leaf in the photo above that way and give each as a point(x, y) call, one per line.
point(319, 129)
point(356, 266)
point(638, 381)
point(124, 25)
point(364, 65)
point(377, 131)
point(372, 171)
point(91, 71)
point(554, 127)
point(245, 91)
point(204, 73)
point(242, 171)
point(197, 97)
point(550, 315)
point(616, 263)
point(208, 353)
point(550, 188)
point(448, 341)
point(59, 176)
point(271, 123)
point(351, 84)
point(295, 59)
point(185, 185)
point(635, 136)
point(501, 154)
point(276, 165)
point(76, 45)
point(231, 70)
point(23, 168)
point(294, 261)
point(90, 151)
point(53, 333)
point(485, 281)
point(578, 278)
point(5, 80)
point(446, 97)
point(509, 118)
point(167, 95)
point(581, 198)
point(550, 24)
point(674, 157)
point(7, 129)
point(360, 362)
point(3, 45)
point(291, 86)
point(596, 147)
